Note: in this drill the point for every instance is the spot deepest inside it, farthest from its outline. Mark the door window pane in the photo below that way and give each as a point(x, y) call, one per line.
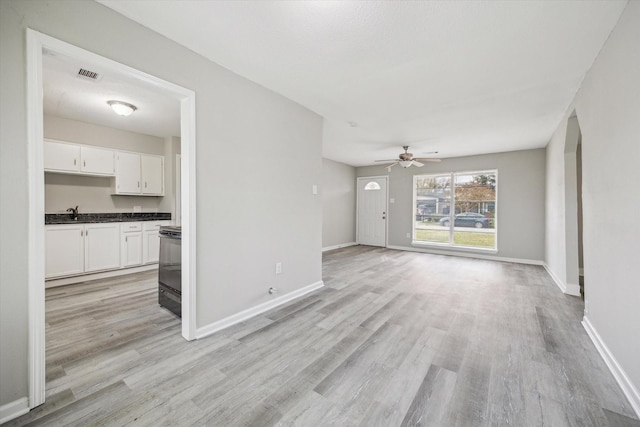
point(372, 186)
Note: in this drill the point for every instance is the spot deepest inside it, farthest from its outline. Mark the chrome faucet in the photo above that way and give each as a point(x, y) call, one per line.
point(74, 212)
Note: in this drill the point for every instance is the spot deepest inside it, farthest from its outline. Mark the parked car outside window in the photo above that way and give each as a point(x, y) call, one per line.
point(467, 219)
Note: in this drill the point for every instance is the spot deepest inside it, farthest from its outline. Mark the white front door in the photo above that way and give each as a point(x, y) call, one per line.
point(372, 211)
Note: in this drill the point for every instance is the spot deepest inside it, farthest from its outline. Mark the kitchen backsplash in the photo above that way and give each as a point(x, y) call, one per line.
point(67, 218)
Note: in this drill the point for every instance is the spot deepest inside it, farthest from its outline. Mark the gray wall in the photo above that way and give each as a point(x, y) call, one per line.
point(520, 215)
point(101, 136)
point(338, 204)
point(93, 194)
point(250, 214)
point(555, 238)
point(607, 107)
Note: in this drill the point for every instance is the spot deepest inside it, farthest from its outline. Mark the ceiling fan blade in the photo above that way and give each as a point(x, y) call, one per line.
point(387, 160)
point(424, 159)
point(390, 166)
point(417, 163)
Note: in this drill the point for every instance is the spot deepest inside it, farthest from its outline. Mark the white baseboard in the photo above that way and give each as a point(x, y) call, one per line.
point(52, 283)
point(573, 289)
point(341, 245)
point(629, 390)
point(566, 288)
point(13, 409)
point(254, 311)
point(466, 255)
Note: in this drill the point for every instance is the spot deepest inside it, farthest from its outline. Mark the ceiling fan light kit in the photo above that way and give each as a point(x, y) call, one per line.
point(406, 159)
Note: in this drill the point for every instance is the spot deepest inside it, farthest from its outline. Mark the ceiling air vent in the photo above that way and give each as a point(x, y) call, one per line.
point(87, 74)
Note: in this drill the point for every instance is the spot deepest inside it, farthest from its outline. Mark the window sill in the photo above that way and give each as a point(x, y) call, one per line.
point(447, 246)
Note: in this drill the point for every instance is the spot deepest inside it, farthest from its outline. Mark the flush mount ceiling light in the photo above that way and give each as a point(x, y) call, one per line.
point(122, 108)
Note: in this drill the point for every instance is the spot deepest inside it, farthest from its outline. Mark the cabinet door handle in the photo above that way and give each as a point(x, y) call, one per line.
point(126, 239)
point(138, 184)
point(84, 163)
point(145, 184)
point(81, 233)
point(74, 162)
point(86, 233)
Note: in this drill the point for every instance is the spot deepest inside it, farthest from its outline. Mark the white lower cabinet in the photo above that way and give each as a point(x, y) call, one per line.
point(101, 246)
point(151, 241)
point(131, 244)
point(64, 250)
point(81, 248)
point(74, 249)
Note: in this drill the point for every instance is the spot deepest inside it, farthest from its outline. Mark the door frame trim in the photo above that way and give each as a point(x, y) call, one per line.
point(386, 205)
point(36, 42)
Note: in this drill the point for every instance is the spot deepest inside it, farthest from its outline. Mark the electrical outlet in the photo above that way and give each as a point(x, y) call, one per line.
point(278, 268)
point(408, 235)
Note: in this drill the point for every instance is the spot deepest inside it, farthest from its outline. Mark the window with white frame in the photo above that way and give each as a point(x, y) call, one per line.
point(456, 209)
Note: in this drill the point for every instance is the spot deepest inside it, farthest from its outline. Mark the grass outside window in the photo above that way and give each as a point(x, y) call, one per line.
point(460, 238)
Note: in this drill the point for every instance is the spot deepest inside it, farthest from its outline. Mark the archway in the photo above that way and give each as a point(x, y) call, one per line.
point(573, 205)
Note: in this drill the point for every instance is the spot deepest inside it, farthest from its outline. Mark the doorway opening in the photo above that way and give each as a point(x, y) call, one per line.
point(573, 208)
point(37, 45)
point(579, 181)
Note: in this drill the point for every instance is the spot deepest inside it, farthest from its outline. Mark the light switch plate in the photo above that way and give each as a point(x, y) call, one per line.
point(314, 189)
point(392, 200)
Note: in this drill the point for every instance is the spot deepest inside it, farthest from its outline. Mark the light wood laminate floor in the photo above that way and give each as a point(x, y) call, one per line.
point(394, 339)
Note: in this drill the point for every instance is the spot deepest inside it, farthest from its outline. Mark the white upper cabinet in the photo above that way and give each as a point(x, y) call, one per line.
point(97, 161)
point(127, 173)
point(64, 157)
point(152, 181)
point(135, 173)
point(139, 174)
point(59, 157)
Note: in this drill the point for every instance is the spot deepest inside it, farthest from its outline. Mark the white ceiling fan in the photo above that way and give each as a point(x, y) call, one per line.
point(406, 159)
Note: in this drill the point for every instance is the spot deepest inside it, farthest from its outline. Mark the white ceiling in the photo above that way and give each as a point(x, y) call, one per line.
point(460, 78)
point(70, 96)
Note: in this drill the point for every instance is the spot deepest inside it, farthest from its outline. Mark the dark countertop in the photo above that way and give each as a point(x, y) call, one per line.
point(91, 218)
